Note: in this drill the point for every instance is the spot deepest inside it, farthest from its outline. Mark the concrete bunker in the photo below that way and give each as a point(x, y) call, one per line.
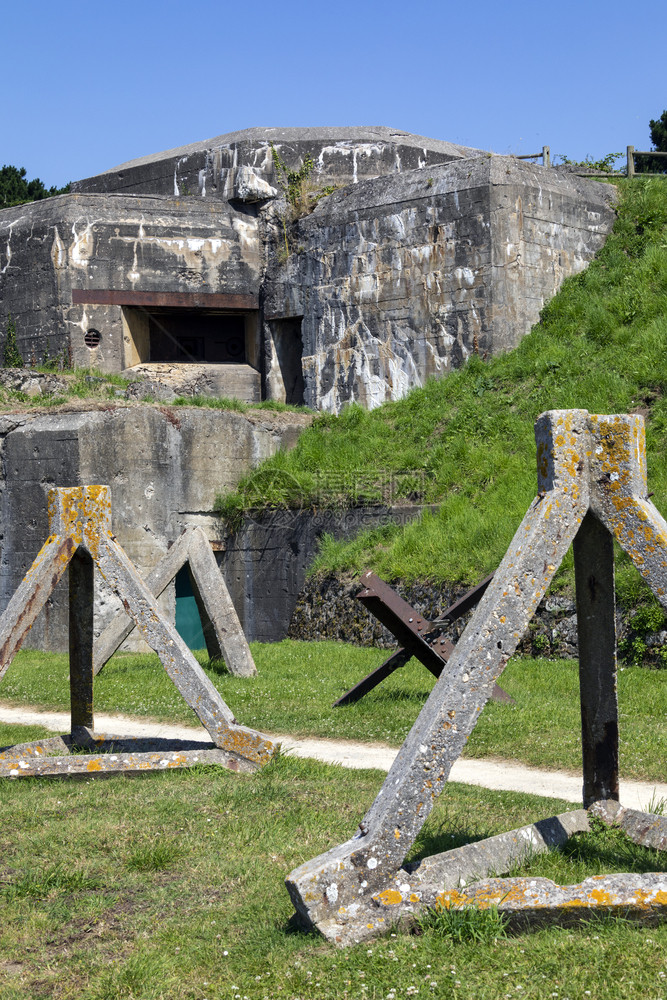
point(412, 254)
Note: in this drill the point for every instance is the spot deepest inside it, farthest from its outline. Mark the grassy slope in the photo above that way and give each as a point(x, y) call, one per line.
point(467, 442)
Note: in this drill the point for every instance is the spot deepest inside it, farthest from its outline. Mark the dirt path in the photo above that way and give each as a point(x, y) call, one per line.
point(487, 773)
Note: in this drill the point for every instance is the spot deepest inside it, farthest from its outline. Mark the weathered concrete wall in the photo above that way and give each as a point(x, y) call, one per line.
point(265, 563)
point(51, 249)
point(340, 156)
point(403, 277)
point(164, 466)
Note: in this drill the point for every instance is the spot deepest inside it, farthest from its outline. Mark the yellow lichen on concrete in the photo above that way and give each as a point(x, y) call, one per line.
point(389, 897)
point(81, 512)
point(248, 745)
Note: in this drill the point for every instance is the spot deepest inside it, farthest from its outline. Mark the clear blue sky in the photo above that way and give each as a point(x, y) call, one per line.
point(88, 85)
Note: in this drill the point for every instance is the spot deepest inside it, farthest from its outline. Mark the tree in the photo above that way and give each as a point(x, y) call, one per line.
point(15, 189)
point(657, 164)
point(659, 132)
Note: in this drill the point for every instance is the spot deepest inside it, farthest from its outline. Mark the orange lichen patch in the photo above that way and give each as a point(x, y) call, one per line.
point(178, 760)
point(389, 897)
point(397, 834)
point(246, 744)
point(94, 765)
point(601, 898)
point(82, 513)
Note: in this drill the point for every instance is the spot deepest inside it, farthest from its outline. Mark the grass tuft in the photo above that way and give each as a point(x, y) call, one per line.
point(153, 857)
point(464, 924)
point(55, 879)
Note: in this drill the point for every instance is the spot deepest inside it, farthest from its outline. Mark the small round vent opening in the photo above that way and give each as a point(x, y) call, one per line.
point(92, 339)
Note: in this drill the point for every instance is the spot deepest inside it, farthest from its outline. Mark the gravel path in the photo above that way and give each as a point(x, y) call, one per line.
point(487, 773)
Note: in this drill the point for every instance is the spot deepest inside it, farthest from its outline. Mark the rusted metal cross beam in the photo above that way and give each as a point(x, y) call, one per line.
point(418, 637)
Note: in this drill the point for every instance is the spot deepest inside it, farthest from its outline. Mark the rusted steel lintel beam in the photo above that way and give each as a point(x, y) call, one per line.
point(182, 300)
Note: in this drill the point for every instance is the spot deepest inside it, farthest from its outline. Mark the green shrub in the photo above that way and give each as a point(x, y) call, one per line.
point(12, 355)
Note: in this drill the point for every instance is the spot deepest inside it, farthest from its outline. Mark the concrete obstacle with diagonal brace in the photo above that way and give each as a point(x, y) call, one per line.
point(221, 626)
point(81, 538)
point(591, 473)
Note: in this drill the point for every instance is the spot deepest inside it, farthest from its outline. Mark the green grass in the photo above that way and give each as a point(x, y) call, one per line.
point(298, 682)
point(80, 384)
point(466, 442)
point(81, 919)
point(226, 403)
point(11, 735)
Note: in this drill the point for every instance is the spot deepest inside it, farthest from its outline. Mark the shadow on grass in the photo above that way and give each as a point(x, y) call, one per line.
point(611, 849)
point(438, 841)
point(296, 926)
point(218, 667)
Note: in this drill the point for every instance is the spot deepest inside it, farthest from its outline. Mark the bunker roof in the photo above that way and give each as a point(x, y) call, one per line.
point(344, 135)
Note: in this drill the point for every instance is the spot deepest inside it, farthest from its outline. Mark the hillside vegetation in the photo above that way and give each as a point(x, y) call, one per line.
point(466, 442)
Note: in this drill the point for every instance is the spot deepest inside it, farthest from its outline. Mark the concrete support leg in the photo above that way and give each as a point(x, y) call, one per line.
point(176, 658)
point(81, 603)
point(328, 890)
point(619, 496)
point(222, 628)
point(35, 589)
point(594, 575)
point(157, 581)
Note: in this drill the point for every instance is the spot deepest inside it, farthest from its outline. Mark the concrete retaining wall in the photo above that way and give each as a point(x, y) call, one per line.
point(265, 563)
point(164, 466)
